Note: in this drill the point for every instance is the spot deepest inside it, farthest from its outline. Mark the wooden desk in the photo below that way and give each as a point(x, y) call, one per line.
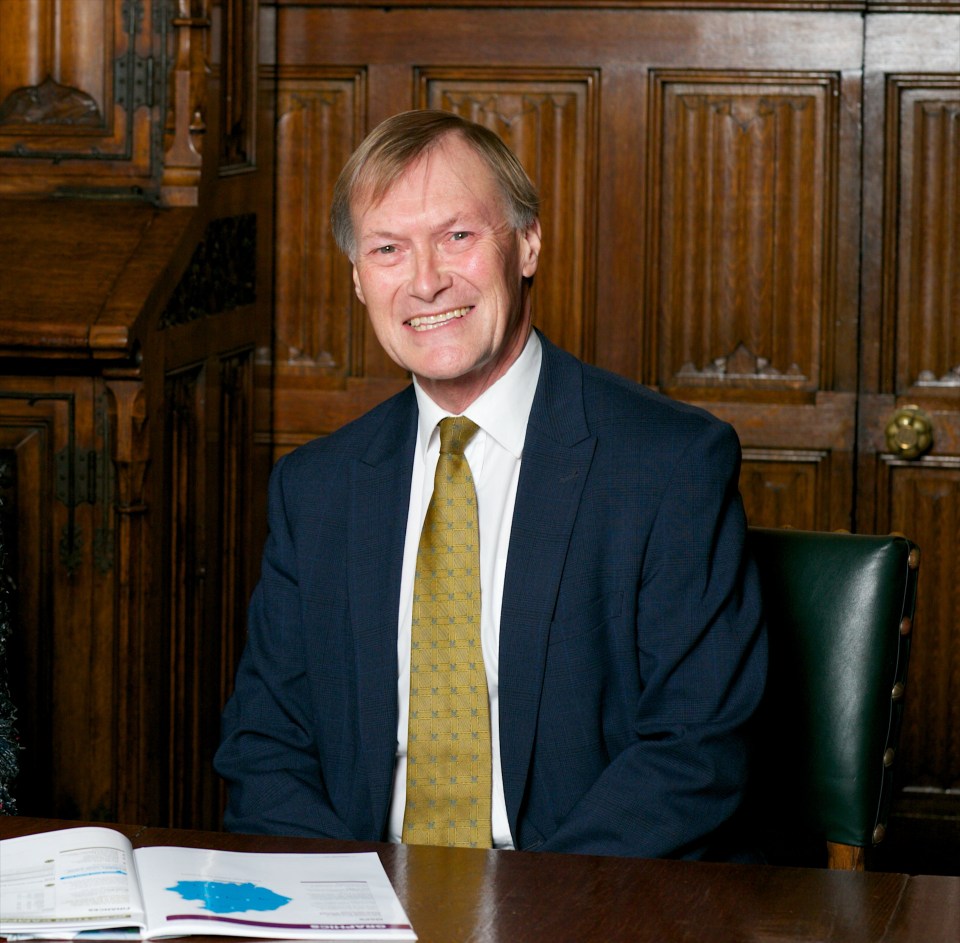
point(460, 896)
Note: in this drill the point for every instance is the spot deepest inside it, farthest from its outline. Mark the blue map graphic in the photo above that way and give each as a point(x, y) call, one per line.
point(221, 897)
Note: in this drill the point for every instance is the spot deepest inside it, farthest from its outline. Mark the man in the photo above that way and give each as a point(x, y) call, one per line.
point(619, 624)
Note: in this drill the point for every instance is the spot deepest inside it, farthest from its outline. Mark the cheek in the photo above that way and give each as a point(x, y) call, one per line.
point(380, 320)
point(376, 289)
point(489, 272)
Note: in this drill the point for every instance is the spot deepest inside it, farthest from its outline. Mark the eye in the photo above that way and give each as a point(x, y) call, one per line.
point(459, 236)
point(386, 250)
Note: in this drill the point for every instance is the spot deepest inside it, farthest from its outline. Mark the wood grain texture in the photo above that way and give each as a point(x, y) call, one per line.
point(480, 896)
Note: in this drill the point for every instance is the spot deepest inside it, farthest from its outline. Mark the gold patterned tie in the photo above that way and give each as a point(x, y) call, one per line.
point(448, 750)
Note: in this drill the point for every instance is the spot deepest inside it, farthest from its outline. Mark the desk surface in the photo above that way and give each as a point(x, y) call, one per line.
point(457, 895)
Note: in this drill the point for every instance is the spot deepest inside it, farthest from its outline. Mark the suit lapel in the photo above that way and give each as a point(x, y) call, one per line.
point(380, 496)
point(557, 454)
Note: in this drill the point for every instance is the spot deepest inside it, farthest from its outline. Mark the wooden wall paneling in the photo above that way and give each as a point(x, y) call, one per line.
point(746, 193)
point(911, 358)
point(80, 88)
point(623, 328)
point(927, 322)
point(235, 32)
point(811, 438)
point(785, 488)
point(187, 560)
point(135, 656)
point(927, 495)
point(571, 87)
point(235, 451)
point(318, 125)
point(550, 120)
point(27, 454)
point(213, 481)
point(116, 165)
point(46, 78)
point(753, 273)
point(59, 503)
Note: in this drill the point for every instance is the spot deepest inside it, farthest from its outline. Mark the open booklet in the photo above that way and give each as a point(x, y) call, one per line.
point(91, 882)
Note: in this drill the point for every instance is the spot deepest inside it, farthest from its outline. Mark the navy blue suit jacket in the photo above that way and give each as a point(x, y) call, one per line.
point(631, 649)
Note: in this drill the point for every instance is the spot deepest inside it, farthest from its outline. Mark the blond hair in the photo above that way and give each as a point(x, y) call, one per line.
point(397, 143)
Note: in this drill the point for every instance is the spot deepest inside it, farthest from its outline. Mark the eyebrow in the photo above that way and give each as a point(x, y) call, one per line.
point(452, 224)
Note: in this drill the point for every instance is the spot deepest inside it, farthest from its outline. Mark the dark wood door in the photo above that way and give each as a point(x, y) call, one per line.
point(909, 421)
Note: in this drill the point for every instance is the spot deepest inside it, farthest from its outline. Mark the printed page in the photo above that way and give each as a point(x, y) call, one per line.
point(67, 880)
point(279, 896)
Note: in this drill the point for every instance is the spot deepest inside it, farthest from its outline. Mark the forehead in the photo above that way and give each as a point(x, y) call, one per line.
point(449, 178)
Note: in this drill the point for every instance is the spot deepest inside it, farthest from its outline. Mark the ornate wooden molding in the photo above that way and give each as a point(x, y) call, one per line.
point(187, 121)
point(738, 367)
point(928, 378)
point(130, 451)
point(50, 103)
point(238, 85)
point(221, 275)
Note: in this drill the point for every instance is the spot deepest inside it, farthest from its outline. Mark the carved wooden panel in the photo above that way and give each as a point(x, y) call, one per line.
point(784, 488)
point(136, 663)
point(549, 119)
point(62, 680)
point(209, 430)
point(49, 82)
point(744, 184)
point(924, 500)
point(319, 123)
point(27, 488)
point(236, 435)
point(924, 123)
point(236, 24)
point(910, 313)
point(185, 459)
point(112, 95)
point(80, 85)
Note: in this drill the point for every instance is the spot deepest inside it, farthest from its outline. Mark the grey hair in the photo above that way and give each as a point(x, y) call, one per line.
point(397, 143)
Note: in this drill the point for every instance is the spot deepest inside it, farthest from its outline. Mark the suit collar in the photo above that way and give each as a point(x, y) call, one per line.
point(558, 409)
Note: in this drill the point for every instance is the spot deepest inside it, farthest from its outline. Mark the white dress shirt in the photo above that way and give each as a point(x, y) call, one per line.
point(494, 455)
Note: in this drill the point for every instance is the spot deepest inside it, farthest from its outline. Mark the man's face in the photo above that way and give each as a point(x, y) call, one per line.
point(440, 269)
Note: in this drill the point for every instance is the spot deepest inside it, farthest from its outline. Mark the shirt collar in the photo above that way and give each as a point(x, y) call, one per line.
point(502, 410)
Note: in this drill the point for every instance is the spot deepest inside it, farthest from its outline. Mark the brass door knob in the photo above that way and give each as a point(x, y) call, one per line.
point(909, 432)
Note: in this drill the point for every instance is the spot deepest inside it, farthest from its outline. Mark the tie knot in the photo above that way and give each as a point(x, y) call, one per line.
point(455, 433)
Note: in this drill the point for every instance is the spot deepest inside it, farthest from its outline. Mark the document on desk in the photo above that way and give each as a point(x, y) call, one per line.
point(91, 883)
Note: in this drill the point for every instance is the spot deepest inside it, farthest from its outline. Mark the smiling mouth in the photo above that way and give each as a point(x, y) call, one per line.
point(430, 321)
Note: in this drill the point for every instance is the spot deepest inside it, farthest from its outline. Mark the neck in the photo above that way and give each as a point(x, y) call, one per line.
point(456, 395)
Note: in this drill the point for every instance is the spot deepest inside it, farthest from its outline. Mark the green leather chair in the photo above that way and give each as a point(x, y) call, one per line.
point(839, 611)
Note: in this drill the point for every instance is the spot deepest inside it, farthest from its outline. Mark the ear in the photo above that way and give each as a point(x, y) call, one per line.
point(356, 286)
point(530, 249)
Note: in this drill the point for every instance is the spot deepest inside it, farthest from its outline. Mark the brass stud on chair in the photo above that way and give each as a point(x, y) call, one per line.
point(888, 756)
point(913, 559)
point(897, 691)
point(906, 624)
point(878, 834)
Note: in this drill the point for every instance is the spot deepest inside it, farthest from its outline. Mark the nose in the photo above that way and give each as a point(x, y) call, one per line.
point(429, 277)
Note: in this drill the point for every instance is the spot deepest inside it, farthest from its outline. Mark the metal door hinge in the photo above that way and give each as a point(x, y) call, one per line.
point(134, 82)
point(80, 478)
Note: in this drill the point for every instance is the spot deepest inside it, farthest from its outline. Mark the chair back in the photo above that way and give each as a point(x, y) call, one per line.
point(839, 610)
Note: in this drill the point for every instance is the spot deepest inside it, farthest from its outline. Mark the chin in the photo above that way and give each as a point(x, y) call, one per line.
point(443, 368)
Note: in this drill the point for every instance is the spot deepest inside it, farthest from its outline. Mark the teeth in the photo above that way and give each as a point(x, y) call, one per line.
point(431, 321)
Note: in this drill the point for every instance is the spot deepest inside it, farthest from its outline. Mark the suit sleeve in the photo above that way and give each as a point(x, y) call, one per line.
point(701, 650)
point(267, 754)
